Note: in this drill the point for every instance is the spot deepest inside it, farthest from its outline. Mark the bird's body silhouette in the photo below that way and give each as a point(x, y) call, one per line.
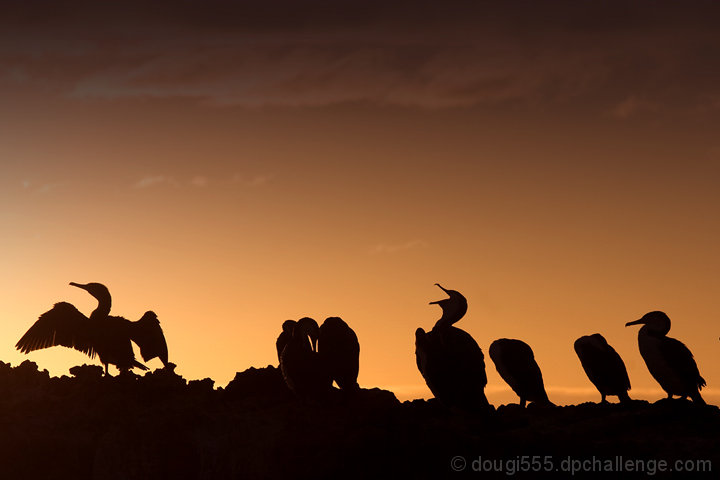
point(107, 336)
point(515, 362)
point(339, 351)
point(450, 360)
point(300, 364)
point(669, 361)
point(285, 336)
point(603, 366)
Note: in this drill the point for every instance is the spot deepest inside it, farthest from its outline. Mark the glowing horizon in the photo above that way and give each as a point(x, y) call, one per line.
point(233, 168)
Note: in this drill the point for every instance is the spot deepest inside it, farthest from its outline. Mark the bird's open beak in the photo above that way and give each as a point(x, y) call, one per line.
point(438, 301)
point(79, 285)
point(636, 322)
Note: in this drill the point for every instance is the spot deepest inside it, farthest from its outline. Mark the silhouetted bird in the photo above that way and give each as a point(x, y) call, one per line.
point(670, 362)
point(339, 351)
point(603, 366)
point(450, 360)
point(300, 364)
point(515, 362)
point(285, 336)
point(107, 336)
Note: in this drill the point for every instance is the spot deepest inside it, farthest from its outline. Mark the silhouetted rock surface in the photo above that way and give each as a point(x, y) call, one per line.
point(160, 426)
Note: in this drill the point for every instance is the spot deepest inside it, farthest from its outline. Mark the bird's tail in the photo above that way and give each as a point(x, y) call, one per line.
point(697, 398)
point(139, 365)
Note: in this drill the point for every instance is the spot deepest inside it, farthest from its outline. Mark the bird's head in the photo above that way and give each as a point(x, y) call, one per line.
point(149, 317)
point(654, 322)
point(97, 290)
point(288, 326)
point(454, 307)
point(307, 327)
point(334, 322)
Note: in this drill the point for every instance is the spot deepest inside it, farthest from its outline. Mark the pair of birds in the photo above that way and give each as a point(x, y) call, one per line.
point(669, 361)
point(311, 357)
point(107, 336)
point(453, 364)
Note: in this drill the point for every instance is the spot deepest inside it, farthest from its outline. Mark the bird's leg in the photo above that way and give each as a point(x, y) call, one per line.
point(106, 370)
point(669, 396)
point(604, 400)
point(522, 402)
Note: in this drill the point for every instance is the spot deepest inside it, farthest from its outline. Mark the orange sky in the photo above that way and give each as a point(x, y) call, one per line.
point(236, 168)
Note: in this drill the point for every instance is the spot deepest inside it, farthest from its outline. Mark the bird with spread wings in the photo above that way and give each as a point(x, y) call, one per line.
point(107, 336)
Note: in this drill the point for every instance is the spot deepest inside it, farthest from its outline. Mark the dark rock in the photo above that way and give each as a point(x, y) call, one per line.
point(87, 372)
point(161, 426)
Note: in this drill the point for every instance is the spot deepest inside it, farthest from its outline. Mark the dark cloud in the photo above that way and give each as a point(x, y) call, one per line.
point(620, 57)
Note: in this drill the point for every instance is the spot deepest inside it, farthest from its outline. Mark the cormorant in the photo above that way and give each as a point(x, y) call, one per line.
point(450, 360)
point(603, 366)
point(670, 362)
point(339, 351)
point(103, 334)
point(515, 362)
point(301, 366)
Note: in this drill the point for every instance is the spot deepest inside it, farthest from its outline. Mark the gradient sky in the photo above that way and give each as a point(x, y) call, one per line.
point(231, 165)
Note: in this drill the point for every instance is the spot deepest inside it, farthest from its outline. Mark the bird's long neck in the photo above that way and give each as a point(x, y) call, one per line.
point(103, 308)
point(451, 314)
point(446, 320)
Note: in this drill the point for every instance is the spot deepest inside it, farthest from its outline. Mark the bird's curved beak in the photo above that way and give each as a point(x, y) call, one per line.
point(436, 302)
point(79, 285)
point(636, 322)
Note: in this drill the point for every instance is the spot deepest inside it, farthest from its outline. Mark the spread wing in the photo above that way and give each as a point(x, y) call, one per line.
point(149, 336)
point(62, 325)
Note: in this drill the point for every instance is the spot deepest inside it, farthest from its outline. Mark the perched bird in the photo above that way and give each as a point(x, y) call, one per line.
point(300, 364)
point(603, 366)
point(109, 337)
point(515, 362)
point(450, 360)
point(670, 362)
point(339, 351)
point(285, 336)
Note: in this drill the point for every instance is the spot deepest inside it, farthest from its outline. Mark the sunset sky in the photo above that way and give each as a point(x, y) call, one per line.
point(231, 165)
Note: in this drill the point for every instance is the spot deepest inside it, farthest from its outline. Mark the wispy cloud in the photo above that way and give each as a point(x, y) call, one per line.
point(257, 180)
point(238, 54)
point(199, 181)
point(40, 189)
point(394, 248)
point(202, 181)
point(631, 106)
point(155, 180)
